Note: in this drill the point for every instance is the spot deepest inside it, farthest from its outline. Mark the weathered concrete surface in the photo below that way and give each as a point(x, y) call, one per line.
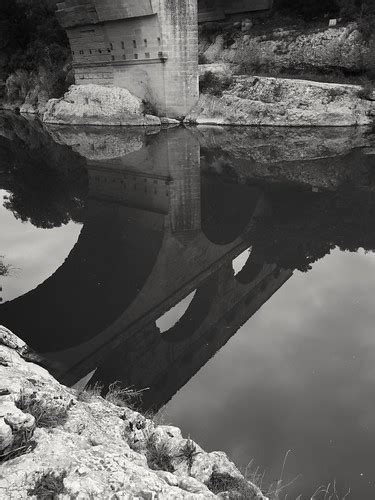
point(101, 449)
point(97, 105)
point(253, 100)
point(342, 48)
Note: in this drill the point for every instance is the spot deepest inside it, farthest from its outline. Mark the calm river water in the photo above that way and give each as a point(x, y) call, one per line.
point(231, 272)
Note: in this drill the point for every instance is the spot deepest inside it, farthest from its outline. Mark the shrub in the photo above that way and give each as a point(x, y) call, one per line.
point(48, 414)
point(49, 485)
point(249, 59)
point(202, 59)
point(367, 91)
point(160, 454)
point(210, 83)
point(19, 84)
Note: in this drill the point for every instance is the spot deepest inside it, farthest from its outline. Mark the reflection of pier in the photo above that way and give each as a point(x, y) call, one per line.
point(155, 233)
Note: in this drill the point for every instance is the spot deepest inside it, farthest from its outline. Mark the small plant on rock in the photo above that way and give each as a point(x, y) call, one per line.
point(49, 485)
point(188, 452)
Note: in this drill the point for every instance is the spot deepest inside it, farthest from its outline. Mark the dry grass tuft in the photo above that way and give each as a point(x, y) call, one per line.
point(90, 393)
point(124, 396)
point(329, 492)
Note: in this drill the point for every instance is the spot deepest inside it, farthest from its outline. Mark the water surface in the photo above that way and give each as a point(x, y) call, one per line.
point(229, 271)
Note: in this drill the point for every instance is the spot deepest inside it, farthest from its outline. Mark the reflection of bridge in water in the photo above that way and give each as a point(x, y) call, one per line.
point(159, 236)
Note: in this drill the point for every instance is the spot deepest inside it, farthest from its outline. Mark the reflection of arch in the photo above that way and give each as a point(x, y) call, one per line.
point(195, 314)
point(226, 209)
point(87, 293)
point(239, 262)
point(253, 267)
point(169, 319)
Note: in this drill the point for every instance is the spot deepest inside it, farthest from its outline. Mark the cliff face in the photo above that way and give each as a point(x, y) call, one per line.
point(57, 442)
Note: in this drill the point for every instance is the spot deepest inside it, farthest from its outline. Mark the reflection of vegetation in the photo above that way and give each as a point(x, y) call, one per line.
point(47, 182)
point(44, 196)
point(306, 226)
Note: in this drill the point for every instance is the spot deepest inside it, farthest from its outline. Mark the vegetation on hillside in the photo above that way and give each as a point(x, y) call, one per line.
point(35, 50)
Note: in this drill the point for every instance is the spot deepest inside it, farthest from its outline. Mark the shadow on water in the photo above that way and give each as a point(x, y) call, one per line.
point(150, 293)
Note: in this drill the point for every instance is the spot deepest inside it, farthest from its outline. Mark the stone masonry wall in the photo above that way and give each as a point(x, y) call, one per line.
point(151, 48)
point(179, 26)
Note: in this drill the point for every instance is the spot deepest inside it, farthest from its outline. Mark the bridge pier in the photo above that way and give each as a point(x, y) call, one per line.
point(149, 47)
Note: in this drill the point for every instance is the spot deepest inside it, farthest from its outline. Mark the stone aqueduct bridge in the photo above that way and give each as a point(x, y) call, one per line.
point(154, 238)
point(147, 46)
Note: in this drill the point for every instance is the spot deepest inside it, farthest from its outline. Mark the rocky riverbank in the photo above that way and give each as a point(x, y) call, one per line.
point(66, 444)
point(246, 100)
point(96, 105)
point(254, 100)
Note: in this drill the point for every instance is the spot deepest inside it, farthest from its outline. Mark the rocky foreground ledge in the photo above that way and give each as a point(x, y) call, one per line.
point(57, 442)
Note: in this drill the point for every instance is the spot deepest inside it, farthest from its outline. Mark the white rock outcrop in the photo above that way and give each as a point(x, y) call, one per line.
point(97, 105)
point(83, 446)
point(253, 100)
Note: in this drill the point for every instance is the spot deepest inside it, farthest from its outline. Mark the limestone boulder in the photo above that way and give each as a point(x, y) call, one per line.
point(97, 105)
point(253, 100)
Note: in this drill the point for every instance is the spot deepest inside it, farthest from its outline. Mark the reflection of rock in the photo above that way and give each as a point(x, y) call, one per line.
point(98, 144)
point(267, 145)
point(322, 158)
point(96, 105)
point(101, 450)
point(284, 102)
